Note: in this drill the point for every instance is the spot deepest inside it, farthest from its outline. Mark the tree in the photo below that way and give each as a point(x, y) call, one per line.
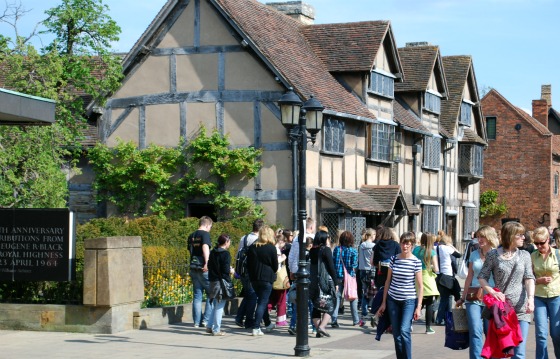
point(76, 65)
point(489, 205)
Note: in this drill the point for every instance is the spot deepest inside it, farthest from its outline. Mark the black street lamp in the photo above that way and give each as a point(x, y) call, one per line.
point(300, 118)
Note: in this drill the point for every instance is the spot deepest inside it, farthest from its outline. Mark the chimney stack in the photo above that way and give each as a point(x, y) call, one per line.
point(540, 111)
point(298, 10)
point(546, 94)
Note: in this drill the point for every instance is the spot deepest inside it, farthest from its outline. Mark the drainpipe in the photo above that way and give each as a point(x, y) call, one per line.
point(416, 149)
point(444, 200)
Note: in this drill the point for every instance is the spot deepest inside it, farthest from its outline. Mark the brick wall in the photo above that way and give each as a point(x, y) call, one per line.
point(517, 165)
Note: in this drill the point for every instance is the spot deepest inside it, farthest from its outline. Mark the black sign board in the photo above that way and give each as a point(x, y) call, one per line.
point(37, 245)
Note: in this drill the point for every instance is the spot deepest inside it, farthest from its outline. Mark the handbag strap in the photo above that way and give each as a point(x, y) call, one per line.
point(438, 259)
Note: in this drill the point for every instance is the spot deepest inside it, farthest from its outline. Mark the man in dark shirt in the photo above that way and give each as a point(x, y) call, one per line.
point(199, 244)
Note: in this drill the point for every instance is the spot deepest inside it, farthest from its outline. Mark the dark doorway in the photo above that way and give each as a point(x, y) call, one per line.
point(202, 209)
point(452, 228)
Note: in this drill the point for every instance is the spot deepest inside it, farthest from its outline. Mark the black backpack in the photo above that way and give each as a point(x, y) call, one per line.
point(241, 259)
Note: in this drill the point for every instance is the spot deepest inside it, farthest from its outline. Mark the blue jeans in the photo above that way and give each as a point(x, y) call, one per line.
point(200, 283)
point(547, 309)
point(248, 304)
point(477, 328)
point(520, 349)
point(215, 320)
point(263, 290)
point(353, 305)
point(293, 318)
point(443, 307)
point(401, 313)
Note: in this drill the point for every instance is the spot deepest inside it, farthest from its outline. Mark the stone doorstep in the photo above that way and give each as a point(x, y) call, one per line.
point(150, 317)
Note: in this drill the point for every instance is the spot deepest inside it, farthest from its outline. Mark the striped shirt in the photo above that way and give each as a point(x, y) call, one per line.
point(402, 285)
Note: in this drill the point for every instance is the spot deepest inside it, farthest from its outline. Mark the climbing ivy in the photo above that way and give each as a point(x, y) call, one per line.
point(161, 180)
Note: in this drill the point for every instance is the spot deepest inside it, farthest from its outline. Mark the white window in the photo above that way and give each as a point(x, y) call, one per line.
point(333, 136)
point(432, 151)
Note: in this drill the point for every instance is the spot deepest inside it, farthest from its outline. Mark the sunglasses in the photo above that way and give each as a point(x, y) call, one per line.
point(540, 243)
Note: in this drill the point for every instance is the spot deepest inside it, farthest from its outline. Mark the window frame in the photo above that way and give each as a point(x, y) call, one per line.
point(495, 132)
point(432, 153)
point(430, 218)
point(466, 113)
point(432, 102)
point(556, 180)
point(470, 220)
point(388, 130)
point(336, 128)
point(387, 84)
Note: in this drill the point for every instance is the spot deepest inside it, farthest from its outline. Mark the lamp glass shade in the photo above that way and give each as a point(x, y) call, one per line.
point(314, 120)
point(290, 114)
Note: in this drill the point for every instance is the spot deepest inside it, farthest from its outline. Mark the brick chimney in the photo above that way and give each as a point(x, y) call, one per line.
point(546, 94)
point(298, 10)
point(540, 111)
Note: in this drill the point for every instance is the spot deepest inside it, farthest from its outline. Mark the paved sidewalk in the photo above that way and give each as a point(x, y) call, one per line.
point(182, 340)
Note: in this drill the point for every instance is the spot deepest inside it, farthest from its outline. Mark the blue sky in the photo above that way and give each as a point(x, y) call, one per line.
point(515, 44)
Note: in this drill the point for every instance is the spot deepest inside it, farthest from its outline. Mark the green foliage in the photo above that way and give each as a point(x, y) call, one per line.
point(160, 180)
point(78, 61)
point(489, 205)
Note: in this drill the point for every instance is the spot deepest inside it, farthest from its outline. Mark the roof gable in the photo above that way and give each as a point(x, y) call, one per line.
point(419, 63)
point(516, 111)
point(352, 46)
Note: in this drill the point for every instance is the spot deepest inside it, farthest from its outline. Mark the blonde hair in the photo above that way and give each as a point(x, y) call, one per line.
point(445, 239)
point(490, 234)
point(427, 241)
point(541, 233)
point(266, 236)
point(368, 233)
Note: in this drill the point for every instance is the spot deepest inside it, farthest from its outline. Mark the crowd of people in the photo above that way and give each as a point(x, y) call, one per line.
point(512, 278)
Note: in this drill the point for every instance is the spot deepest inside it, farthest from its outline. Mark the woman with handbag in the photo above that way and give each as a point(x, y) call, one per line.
point(323, 286)
point(401, 297)
point(512, 271)
point(473, 292)
point(547, 293)
point(221, 287)
point(280, 286)
point(262, 265)
point(427, 255)
point(446, 283)
point(345, 259)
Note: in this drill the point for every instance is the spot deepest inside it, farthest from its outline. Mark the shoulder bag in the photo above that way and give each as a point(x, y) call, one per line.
point(282, 281)
point(324, 302)
point(444, 280)
point(350, 285)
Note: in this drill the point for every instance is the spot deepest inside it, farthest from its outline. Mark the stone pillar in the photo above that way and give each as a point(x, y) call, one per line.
point(113, 272)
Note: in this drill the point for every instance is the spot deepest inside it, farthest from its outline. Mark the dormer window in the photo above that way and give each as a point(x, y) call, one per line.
point(466, 113)
point(432, 102)
point(382, 83)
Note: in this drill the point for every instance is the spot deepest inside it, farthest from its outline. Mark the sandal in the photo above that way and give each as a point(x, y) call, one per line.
point(323, 333)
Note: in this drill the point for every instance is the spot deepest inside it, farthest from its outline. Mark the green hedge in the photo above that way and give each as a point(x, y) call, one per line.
point(163, 242)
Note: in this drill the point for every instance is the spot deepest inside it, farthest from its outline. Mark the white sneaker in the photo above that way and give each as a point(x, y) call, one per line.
point(269, 328)
point(257, 332)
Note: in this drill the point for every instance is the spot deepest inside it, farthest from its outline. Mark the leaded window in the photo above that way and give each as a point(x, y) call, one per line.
point(382, 140)
point(466, 114)
point(333, 135)
point(470, 221)
point(432, 151)
point(556, 184)
point(471, 160)
point(382, 85)
point(430, 218)
point(432, 102)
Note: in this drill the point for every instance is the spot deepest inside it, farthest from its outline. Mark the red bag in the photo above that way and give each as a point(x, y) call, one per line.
point(350, 286)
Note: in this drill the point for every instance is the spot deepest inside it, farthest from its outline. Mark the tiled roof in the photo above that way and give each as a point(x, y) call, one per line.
point(471, 136)
point(372, 199)
point(456, 73)
point(349, 46)
point(280, 40)
point(407, 118)
point(418, 62)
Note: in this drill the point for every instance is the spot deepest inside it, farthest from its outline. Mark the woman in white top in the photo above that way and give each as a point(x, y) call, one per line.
point(445, 251)
point(401, 297)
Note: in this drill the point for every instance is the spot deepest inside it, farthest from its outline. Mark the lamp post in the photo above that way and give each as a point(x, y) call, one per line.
point(300, 118)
